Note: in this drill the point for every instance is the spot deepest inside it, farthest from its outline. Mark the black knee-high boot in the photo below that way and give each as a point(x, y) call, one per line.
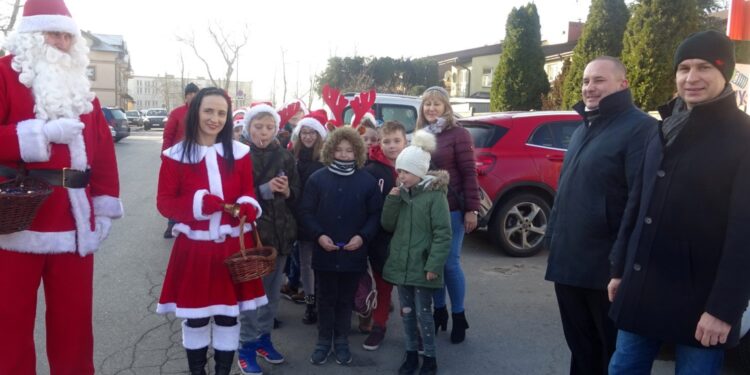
point(224, 360)
point(197, 360)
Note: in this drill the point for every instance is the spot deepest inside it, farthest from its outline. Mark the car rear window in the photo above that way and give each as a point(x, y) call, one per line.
point(156, 112)
point(118, 114)
point(484, 135)
point(406, 115)
point(554, 134)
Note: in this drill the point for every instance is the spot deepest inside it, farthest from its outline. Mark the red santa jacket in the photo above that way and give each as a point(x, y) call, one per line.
point(69, 220)
point(184, 183)
point(174, 129)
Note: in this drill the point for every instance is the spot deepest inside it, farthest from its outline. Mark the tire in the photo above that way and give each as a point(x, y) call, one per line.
point(518, 225)
point(147, 127)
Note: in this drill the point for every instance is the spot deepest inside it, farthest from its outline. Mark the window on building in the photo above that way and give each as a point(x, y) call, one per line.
point(487, 77)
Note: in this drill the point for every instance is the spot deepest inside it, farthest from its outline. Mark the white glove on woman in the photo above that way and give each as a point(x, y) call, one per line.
point(62, 130)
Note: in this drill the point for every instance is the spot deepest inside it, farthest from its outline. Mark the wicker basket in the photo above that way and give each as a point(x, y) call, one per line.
point(20, 199)
point(250, 264)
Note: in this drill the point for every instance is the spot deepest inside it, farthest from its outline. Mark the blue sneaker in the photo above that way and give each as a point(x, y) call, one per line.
point(247, 360)
point(266, 350)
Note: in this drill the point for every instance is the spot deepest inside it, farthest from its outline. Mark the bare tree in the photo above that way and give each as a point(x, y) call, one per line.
point(182, 70)
point(283, 74)
point(229, 47)
point(7, 22)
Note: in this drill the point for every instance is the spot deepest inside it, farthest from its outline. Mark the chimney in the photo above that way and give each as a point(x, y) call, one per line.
point(575, 29)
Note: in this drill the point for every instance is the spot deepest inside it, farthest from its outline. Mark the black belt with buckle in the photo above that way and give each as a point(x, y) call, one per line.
point(66, 177)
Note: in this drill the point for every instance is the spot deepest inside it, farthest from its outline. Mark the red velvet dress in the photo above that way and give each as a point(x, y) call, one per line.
point(197, 283)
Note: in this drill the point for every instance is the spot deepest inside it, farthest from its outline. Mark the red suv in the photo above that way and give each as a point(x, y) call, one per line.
point(519, 156)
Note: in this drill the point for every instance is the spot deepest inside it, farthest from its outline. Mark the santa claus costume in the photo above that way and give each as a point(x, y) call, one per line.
point(51, 123)
point(195, 181)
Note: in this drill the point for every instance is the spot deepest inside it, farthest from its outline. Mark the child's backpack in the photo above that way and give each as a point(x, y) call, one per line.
point(366, 297)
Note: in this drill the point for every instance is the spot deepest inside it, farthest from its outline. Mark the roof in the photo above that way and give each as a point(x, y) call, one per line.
point(107, 42)
point(495, 49)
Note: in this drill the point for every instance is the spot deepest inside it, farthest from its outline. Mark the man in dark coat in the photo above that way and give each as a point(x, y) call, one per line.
point(683, 276)
point(596, 183)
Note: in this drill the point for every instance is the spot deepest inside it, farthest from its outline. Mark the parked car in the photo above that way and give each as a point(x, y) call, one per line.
point(519, 156)
point(135, 117)
point(118, 121)
point(113, 132)
point(155, 117)
point(391, 107)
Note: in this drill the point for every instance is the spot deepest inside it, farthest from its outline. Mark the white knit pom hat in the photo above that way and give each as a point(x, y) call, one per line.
point(415, 158)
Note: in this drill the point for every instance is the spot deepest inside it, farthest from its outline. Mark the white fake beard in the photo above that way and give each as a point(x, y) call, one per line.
point(57, 79)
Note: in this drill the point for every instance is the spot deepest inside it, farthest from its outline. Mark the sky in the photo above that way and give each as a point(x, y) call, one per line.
point(308, 31)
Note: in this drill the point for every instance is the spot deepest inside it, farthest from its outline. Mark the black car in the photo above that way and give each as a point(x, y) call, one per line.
point(155, 117)
point(118, 121)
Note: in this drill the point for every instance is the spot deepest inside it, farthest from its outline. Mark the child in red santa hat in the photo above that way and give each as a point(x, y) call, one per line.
point(277, 185)
point(199, 177)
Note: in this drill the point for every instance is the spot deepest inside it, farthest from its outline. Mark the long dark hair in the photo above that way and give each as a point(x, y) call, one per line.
point(192, 124)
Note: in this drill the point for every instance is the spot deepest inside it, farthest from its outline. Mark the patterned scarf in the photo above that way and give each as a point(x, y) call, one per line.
point(343, 168)
point(437, 127)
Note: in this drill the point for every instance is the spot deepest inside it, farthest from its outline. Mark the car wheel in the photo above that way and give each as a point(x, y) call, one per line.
point(518, 225)
point(146, 127)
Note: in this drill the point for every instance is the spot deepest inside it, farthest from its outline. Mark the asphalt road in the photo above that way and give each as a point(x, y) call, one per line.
point(515, 326)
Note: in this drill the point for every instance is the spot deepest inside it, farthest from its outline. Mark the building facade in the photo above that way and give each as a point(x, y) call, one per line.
point(468, 73)
point(167, 91)
point(109, 69)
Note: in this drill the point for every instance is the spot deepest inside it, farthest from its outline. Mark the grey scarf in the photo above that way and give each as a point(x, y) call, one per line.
point(673, 125)
point(437, 127)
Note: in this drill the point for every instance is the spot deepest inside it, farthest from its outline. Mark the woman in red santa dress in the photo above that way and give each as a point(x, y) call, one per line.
point(198, 177)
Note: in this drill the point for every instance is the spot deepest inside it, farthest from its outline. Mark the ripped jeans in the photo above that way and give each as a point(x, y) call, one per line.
point(416, 305)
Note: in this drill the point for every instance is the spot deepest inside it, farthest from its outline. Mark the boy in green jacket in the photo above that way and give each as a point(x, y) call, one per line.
point(417, 213)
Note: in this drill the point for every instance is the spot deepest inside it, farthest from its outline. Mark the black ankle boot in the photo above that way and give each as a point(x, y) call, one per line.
point(429, 366)
point(441, 318)
point(411, 364)
point(224, 360)
point(311, 314)
point(460, 325)
point(197, 361)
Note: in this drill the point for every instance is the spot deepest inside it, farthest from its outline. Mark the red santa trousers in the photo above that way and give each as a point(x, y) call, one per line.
point(68, 297)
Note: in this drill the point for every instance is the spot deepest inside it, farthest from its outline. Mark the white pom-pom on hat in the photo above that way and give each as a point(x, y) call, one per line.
point(415, 158)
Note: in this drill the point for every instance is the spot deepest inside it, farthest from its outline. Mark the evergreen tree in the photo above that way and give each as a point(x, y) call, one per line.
point(520, 82)
point(652, 35)
point(602, 35)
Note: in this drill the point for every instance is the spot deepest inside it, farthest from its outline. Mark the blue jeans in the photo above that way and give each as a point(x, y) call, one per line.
point(455, 282)
point(635, 354)
point(416, 306)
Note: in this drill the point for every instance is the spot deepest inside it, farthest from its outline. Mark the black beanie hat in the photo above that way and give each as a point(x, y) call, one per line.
point(712, 46)
point(191, 88)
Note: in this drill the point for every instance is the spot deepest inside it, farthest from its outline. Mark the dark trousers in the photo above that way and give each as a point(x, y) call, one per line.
point(589, 332)
point(335, 298)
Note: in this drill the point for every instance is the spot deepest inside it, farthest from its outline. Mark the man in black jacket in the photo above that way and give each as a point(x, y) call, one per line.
point(596, 183)
point(683, 276)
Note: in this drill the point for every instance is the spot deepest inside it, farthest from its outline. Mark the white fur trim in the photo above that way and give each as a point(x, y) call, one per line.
point(32, 142)
point(198, 205)
point(111, 207)
point(175, 152)
point(262, 108)
point(216, 188)
point(48, 22)
point(251, 200)
point(206, 235)
point(312, 124)
point(195, 337)
point(202, 312)
point(225, 338)
point(28, 241)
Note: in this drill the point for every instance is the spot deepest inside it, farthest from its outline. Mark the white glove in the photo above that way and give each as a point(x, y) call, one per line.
point(62, 130)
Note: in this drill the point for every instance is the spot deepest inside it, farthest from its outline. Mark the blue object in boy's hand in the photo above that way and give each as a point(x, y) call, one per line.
point(341, 245)
point(281, 173)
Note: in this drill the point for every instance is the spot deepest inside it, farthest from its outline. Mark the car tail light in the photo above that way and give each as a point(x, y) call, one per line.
point(485, 163)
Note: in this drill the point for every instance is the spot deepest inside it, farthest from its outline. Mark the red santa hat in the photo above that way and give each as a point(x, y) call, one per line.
point(238, 117)
point(47, 15)
point(315, 120)
point(261, 107)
